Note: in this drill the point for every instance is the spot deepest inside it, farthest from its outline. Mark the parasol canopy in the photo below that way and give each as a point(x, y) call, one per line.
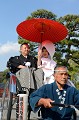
point(41, 29)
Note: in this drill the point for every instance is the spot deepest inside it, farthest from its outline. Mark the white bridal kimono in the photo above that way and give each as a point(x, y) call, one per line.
point(48, 64)
point(48, 69)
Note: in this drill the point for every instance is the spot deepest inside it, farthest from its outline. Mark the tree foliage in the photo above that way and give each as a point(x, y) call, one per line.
point(69, 48)
point(41, 13)
point(3, 76)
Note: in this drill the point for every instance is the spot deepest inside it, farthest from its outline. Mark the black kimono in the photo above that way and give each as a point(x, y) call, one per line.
point(14, 62)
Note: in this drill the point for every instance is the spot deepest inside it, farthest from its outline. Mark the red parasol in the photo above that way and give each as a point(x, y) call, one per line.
point(40, 29)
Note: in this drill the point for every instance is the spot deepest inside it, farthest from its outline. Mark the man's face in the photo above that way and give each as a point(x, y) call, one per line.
point(24, 50)
point(61, 76)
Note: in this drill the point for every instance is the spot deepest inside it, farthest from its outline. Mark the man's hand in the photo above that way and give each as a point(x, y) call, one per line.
point(39, 57)
point(45, 102)
point(21, 66)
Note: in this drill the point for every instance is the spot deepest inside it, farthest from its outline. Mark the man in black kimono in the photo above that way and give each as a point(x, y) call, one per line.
point(25, 69)
point(20, 66)
point(58, 92)
point(19, 62)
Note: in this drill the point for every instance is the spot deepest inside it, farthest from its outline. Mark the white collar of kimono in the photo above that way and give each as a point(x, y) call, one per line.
point(49, 46)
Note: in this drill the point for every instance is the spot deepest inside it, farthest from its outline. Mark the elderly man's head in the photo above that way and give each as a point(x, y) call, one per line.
point(61, 75)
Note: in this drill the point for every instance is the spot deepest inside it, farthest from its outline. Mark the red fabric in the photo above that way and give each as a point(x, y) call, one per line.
point(40, 29)
point(13, 79)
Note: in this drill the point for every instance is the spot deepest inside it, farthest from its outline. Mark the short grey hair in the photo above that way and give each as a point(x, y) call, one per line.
point(58, 66)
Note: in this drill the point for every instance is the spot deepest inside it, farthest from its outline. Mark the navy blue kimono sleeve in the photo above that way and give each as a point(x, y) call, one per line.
point(73, 96)
point(76, 97)
point(35, 97)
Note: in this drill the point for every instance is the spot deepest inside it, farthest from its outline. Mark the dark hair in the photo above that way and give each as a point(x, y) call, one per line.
point(25, 44)
point(45, 48)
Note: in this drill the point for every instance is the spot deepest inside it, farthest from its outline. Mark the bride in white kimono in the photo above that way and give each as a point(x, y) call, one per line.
point(46, 51)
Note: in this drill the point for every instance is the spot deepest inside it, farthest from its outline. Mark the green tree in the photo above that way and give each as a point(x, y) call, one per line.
point(41, 13)
point(71, 44)
point(67, 51)
point(3, 76)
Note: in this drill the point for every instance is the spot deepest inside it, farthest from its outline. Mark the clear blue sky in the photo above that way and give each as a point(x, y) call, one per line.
point(12, 12)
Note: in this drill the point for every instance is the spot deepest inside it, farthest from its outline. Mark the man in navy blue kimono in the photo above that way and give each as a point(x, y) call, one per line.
point(58, 92)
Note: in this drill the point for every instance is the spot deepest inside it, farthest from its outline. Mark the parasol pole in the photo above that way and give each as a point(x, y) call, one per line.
point(42, 30)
